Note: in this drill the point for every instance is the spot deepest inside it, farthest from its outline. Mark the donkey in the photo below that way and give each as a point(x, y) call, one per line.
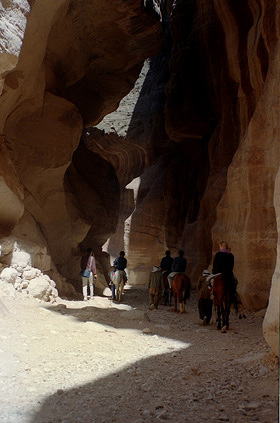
point(221, 300)
point(119, 281)
point(181, 289)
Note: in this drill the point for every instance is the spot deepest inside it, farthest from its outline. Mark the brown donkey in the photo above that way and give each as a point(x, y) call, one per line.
point(181, 289)
point(221, 300)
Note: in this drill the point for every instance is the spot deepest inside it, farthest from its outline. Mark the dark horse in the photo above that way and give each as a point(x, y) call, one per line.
point(181, 289)
point(221, 300)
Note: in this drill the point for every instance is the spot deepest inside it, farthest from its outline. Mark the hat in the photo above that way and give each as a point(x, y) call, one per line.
point(206, 272)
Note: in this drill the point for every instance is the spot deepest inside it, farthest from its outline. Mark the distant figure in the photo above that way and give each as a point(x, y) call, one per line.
point(88, 272)
point(120, 277)
point(166, 267)
point(166, 262)
point(179, 266)
point(224, 263)
point(155, 287)
point(120, 262)
point(180, 263)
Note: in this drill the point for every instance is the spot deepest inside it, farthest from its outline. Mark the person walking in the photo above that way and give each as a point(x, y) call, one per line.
point(88, 273)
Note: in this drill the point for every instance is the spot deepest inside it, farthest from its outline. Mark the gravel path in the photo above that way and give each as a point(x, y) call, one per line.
point(105, 362)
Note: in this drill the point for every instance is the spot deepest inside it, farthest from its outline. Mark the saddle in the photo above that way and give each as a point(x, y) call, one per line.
point(210, 279)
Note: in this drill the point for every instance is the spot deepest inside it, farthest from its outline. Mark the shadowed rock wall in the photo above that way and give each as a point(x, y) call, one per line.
point(63, 65)
point(200, 128)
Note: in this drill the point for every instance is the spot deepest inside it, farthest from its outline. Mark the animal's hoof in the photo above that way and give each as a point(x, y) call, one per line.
point(204, 321)
point(224, 329)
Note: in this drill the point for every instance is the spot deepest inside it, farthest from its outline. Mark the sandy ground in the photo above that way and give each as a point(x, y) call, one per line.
point(91, 362)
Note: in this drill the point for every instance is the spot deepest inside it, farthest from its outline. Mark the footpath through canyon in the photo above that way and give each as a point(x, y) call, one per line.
point(99, 361)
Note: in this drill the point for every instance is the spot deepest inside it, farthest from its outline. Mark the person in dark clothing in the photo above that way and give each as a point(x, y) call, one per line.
point(120, 263)
point(166, 262)
point(224, 263)
point(166, 267)
point(179, 266)
point(179, 263)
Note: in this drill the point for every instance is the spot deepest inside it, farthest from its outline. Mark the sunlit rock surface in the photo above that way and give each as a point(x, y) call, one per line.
point(197, 126)
point(61, 68)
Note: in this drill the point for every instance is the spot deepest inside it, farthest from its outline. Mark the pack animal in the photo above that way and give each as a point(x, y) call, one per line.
point(119, 281)
point(181, 289)
point(205, 302)
point(221, 300)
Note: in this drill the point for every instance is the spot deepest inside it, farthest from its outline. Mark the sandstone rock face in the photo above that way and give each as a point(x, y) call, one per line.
point(74, 75)
point(198, 132)
point(271, 321)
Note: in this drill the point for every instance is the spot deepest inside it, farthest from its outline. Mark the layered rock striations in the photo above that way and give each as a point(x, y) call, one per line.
point(64, 65)
point(195, 129)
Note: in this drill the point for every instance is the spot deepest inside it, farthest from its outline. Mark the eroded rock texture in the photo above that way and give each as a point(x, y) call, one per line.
point(198, 135)
point(64, 65)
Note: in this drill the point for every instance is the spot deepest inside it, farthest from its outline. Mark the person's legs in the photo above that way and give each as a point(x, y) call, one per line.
point(169, 278)
point(152, 300)
point(156, 299)
point(91, 289)
point(85, 285)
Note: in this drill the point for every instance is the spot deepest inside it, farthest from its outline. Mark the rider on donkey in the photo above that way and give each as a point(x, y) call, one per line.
point(224, 263)
point(179, 266)
point(166, 267)
point(120, 277)
point(120, 262)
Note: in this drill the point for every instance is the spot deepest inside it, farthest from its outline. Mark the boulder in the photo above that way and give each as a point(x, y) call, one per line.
point(7, 289)
point(32, 273)
point(39, 288)
point(9, 275)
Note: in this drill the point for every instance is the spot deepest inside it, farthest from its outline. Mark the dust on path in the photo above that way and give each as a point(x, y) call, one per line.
point(91, 362)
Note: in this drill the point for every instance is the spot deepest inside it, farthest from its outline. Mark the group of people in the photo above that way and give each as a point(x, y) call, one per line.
point(88, 274)
point(167, 270)
point(223, 263)
point(169, 267)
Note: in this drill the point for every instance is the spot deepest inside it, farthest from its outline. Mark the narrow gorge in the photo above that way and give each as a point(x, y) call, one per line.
point(141, 126)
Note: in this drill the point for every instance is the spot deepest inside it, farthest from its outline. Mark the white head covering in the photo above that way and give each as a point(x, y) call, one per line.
point(205, 272)
point(155, 268)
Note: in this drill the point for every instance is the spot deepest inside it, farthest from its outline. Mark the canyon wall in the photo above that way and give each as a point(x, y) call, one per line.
point(197, 126)
point(64, 65)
